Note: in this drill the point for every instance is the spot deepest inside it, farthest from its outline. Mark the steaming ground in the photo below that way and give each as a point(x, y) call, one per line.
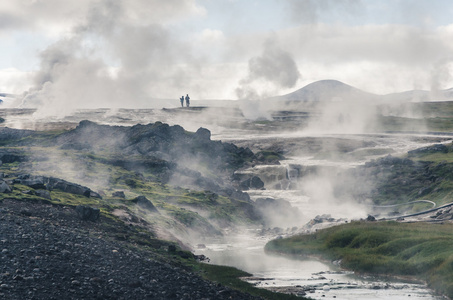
point(289, 133)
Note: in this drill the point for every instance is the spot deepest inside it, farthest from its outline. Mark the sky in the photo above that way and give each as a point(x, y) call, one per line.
point(108, 52)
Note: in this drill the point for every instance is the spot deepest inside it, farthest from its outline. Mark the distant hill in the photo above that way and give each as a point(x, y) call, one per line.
point(334, 90)
point(420, 96)
point(327, 90)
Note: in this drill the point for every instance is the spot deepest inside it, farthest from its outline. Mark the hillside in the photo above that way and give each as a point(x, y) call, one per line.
point(185, 175)
point(334, 90)
point(327, 90)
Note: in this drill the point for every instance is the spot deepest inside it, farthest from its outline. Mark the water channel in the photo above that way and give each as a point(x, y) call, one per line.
point(310, 277)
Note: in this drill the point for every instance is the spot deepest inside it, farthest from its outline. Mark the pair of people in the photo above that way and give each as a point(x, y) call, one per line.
point(187, 100)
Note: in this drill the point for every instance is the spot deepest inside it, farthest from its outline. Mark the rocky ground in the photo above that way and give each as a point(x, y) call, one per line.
point(48, 252)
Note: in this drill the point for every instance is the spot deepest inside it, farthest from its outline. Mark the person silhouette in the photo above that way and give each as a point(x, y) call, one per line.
point(187, 100)
point(182, 101)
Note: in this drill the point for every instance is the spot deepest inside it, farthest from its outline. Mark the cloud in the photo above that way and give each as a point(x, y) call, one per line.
point(310, 11)
point(62, 16)
point(14, 81)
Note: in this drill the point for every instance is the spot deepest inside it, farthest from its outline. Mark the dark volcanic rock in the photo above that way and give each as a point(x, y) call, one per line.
point(87, 213)
point(160, 140)
point(119, 194)
point(253, 182)
point(203, 134)
point(430, 149)
point(34, 182)
point(142, 201)
point(169, 152)
point(12, 155)
point(69, 187)
point(11, 134)
point(43, 194)
point(4, 187)
point(51, 183)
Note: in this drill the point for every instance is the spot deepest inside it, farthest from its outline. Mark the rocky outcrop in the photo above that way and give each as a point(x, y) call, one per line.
point(87, 213)
point(43, 194)
point(4, 187)
point(119, 194)
point(143, 202)
point(51, 183)
point(436, 148)
point(12, 155)
point(253, 182)
point(11, 134)
point(160, 140)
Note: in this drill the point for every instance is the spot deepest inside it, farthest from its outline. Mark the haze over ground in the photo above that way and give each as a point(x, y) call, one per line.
point(102, 53)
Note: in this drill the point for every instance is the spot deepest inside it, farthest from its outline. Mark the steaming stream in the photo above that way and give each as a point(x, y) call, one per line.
point(319, 280)
point(315, 279)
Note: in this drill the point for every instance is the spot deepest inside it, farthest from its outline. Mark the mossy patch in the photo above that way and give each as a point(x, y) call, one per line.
point(421, 250)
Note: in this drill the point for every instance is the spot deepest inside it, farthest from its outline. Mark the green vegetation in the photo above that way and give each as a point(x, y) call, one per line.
point(424, 116)
point(269, 155)
point(425, 173)
point(229, 276)
point(421, 250)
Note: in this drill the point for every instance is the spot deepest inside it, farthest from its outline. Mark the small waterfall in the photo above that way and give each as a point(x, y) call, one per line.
point(292, 175)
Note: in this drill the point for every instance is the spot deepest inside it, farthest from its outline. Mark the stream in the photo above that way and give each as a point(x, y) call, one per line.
point(310, 277)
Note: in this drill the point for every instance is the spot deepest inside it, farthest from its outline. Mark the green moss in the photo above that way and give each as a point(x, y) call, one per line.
point(421, 250)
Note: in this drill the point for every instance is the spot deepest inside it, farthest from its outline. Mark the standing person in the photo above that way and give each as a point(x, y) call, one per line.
point(187, 100)
point(182, 101)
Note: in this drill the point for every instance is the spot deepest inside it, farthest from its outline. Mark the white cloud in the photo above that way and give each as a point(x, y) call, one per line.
point(212, 35)
point(14, 81)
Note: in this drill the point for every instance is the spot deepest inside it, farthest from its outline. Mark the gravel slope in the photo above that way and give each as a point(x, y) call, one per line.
point(46, 252)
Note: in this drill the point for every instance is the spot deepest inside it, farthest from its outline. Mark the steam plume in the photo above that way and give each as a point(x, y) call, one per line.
point(117, 55)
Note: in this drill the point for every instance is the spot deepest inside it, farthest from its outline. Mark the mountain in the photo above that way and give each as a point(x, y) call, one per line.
point(327, 90)
point(334, 90)
point(420, 96)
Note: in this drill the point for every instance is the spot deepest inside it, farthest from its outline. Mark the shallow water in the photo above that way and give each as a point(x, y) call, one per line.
point(319, 280)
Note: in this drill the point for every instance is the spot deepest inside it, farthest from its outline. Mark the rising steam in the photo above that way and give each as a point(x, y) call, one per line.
point(117, 55)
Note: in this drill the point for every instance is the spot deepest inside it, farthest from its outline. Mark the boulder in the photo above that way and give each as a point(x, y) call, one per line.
point(69, 187)
point(143, 202)
point(371, 218)
point(203, 134)
point(119, 194)
point(87, 213)
point(34, 183)
point(43, 194)
point(252, 183)
point(4, 187)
